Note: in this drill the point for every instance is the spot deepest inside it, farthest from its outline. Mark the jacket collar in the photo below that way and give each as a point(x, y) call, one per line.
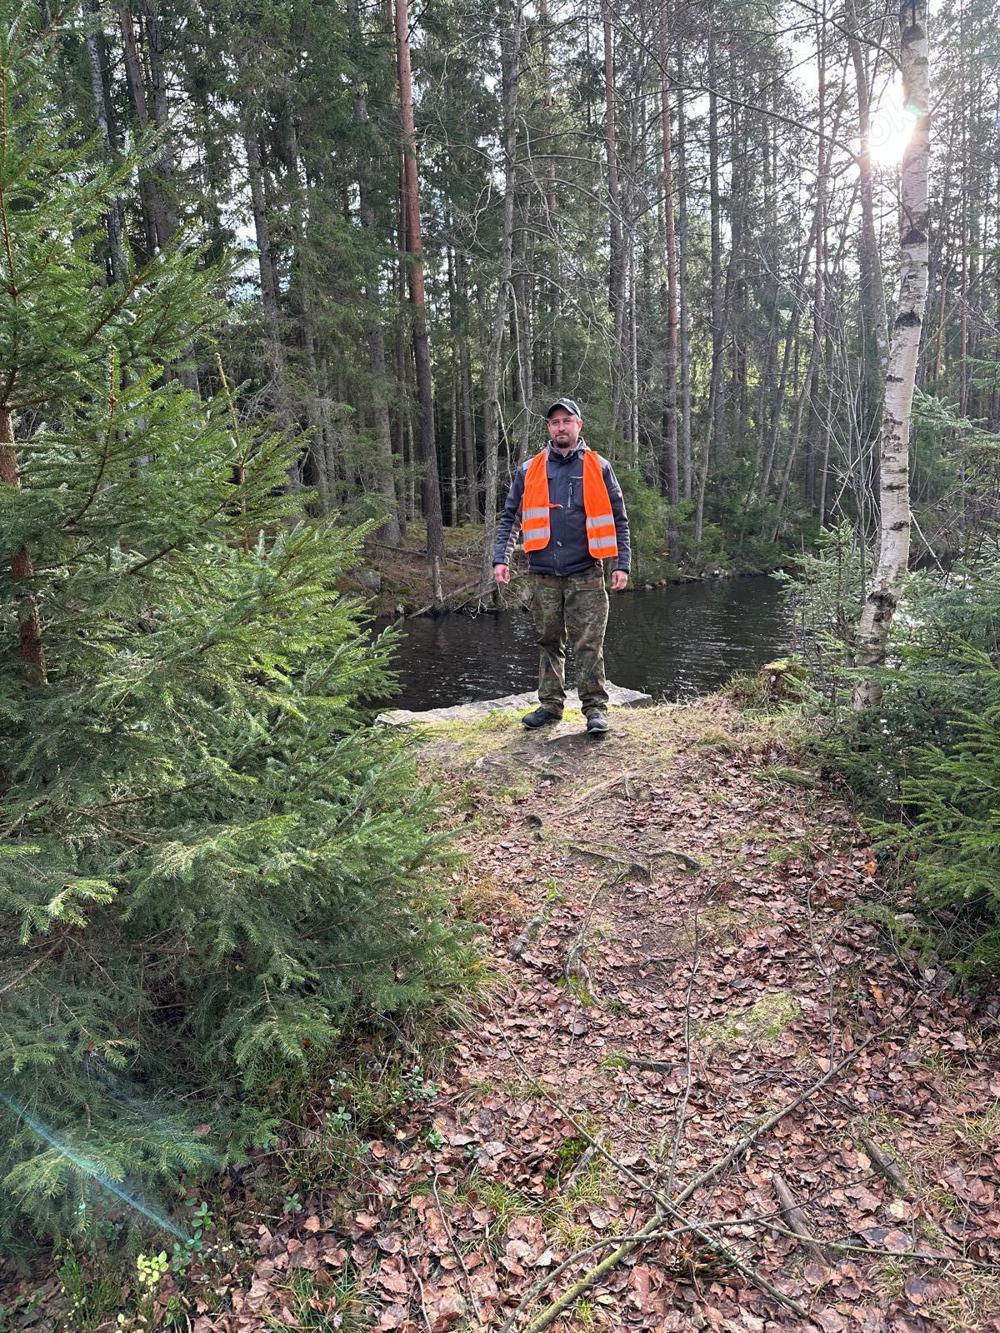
point(582, 447)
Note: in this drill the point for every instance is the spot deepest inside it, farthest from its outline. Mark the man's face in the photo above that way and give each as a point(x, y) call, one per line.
point(564, 429)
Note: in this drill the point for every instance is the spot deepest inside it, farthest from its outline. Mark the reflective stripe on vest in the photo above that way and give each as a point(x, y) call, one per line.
point(602, 541)
point(535, 528)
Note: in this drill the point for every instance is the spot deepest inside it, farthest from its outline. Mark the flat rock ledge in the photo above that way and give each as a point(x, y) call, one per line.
point(475, 712)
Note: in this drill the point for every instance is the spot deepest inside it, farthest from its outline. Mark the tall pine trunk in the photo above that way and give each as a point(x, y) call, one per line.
point(430, 486)
point(268, 286)
point(389, 532)
point(686, 464)
point(98, 66)
point(154, 210)
point(669, 459)
point(510, 63)
point(715, 405)
point(468, 424)
point(616, 265)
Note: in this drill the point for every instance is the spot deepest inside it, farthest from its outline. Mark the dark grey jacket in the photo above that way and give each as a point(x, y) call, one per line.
point(567, 551)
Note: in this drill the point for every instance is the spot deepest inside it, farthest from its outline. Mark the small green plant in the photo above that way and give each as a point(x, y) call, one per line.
point(90, 1292)
point(150, 1272)
point(184, 1250)
point(151, 1268)
point(569, 1153)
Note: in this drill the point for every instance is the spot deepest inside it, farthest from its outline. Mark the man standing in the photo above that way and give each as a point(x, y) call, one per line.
point(572, 517)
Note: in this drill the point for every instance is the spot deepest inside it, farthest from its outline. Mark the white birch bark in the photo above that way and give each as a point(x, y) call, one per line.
point(894, 483)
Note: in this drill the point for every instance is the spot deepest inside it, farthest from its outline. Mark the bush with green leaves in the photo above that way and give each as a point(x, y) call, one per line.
point(211, 866)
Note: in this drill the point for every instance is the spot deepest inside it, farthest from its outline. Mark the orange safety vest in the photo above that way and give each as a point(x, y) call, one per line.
point(602, 540)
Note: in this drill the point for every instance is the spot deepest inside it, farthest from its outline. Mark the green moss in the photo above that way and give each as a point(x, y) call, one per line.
point(760, 1025)
point(715, 926)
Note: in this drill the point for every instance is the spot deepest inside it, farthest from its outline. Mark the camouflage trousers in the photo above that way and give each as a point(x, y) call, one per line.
point(573, 610)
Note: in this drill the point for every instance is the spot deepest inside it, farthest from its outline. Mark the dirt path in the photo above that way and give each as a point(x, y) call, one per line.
point(664, 1006)
point(697, 1033)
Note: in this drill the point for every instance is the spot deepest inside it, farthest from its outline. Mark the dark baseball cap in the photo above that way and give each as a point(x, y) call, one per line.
point(568, 404)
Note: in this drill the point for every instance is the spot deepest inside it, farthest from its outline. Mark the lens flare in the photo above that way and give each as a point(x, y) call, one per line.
point(891, 126)
point(90, 1168)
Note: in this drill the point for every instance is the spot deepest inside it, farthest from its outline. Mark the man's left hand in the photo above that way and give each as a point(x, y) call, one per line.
point(619, 578)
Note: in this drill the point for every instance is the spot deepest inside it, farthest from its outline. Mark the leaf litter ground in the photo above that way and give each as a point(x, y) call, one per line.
point(682, 933)
point(682, 930)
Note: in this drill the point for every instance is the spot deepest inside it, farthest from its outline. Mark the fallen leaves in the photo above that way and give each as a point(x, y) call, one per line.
point(476, 1194)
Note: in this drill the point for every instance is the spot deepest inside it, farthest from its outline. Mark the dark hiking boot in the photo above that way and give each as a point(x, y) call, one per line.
point(541, 717)
point(597, 724)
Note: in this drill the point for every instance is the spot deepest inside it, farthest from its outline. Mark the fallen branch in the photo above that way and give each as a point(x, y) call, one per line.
point(569, 1297)
point(604, 785)
point(664, 1207)
point(884, 1164)
point(531, 929)
point(668, 1207)
point(441, 606)
point(795, 1218)
point(770, 1121)
point(645, 1236)
point(922, 1256)
point(620, 1242)
point(688, 1067)
point(456, 1251)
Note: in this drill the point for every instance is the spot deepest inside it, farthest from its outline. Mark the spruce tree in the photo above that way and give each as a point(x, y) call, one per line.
point(210, 866)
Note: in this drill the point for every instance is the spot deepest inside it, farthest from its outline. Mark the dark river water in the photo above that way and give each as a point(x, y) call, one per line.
point(671, 642)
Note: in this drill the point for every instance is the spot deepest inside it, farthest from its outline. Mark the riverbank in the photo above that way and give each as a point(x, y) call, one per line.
point(696, 1044)
point(398, 581)
point(672, 643)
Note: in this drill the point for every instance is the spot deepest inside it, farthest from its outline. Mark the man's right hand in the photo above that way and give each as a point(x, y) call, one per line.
point(502, 574)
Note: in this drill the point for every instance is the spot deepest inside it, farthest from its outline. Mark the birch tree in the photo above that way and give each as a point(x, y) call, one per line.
point(894, 486)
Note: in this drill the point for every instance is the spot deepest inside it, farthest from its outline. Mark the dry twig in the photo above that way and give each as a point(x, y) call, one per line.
point(770, 1121)
point(884, 1164)
point(456, 1252)
point(795, 1218)
point(682, 1109)
point(532, 928)
point(671, 1208)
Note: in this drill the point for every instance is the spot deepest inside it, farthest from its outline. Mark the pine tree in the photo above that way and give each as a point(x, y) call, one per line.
point(209, 867)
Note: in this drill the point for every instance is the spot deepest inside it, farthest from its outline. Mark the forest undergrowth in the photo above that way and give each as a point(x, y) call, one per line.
point(704, 1090)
